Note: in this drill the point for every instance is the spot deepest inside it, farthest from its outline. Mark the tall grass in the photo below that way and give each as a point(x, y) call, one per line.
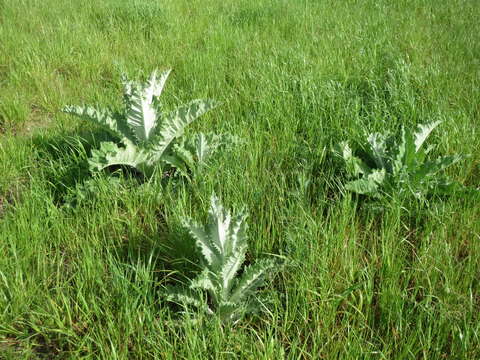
point(294, 77)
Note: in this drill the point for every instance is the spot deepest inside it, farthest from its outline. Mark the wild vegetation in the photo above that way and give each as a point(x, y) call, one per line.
point(87, 258)
point(223, 246)
point(397, 163)
point(147, 135)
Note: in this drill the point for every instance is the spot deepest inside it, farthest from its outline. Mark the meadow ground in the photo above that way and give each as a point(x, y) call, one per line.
point(294, 78)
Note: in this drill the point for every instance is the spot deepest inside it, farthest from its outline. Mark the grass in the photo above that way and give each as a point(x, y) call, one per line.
point(294, 77)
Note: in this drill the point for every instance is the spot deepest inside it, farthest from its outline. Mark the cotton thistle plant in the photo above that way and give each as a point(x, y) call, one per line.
point(149, 136)
point(397, 164)
point(219, 289)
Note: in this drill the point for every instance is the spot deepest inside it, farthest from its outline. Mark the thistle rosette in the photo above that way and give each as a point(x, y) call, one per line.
point(149, 137)
point(397, 165)
point(222, 246)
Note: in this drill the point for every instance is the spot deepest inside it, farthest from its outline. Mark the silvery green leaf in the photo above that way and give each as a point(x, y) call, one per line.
point(230, 268)
point(185, 157)
point(403, 160)
point(222, 243)
point(205, 145)
point(203, 281)
point(110, 154)
point(178, 162)
point(140, 109)
point(404, 156)
point(141, 112)
point(147, 133)
point(203, 242)
point(219, 224)
point(174, 124)
point(368, 185)
point(182, 296)
point(253, 277)
point(156, 84)
point(378, 148)
point(203, 148)
point(237, 233)
point(430, 168)
point(228, 311)
point(444, 186)
point(423, 131)
point(400, 154)
point(104, 117)
point(192, 155)
point(355, 165)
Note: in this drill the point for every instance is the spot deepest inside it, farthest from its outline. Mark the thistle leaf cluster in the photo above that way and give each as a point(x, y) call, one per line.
point(222, 247)
point(149, 136)
point(397, 164)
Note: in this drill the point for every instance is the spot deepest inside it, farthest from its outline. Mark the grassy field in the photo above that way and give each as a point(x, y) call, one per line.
point(294, 78)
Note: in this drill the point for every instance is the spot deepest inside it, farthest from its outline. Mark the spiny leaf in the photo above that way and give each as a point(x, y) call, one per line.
point(253, 277)
point(102, 117)
point(444, 186)
point(355, 166)
point(400, 154)
point(141, 116)
point(176, 161)
point(404, 156)
point(203, 281)
point(230, 268)
point(368, 184)
point(400, 164)
point(432, 167)
point(110, 154)
point(219, 224)
point(185, 157)
point(174, 124)
point(423, 131)
point(203, 242)
point(203, 148)
point(156, 84)
point(228, 311)
point(222, 243)
point(378, 148)
point(182, 296)
point(140, 113)
point(237, 234)
point(140, 110)
point(192, 154)
point(148, 135)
